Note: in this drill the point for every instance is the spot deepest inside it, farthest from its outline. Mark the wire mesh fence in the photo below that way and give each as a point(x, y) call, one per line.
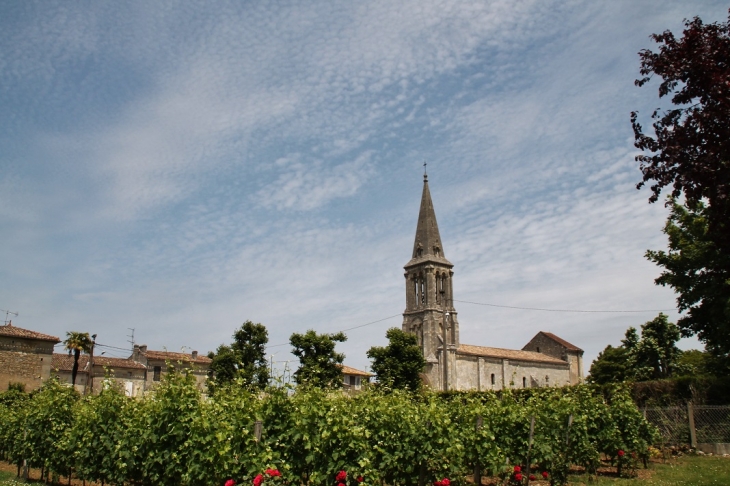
point(691, 424)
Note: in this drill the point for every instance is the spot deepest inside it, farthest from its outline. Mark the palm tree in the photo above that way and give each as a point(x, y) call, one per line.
point(77, 342)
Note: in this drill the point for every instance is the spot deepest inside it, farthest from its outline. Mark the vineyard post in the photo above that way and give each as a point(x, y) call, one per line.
point(257, 430)
point(477, 468)
point(529, 448)
point(567, 431)
point(692, 431)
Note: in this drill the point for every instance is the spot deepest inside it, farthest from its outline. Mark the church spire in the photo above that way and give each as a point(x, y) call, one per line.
point(427, 245)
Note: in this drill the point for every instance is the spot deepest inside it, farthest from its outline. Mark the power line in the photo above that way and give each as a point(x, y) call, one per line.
point(348, 329)
point(113, 347)
point(563, 310)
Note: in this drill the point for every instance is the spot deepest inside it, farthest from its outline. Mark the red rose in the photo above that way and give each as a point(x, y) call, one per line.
point(518, 476)
point(273, 473)
point(620, 453)
point(360, 479)
point(258, 480)
point(518, 469)
point(230, 482)
point(438, 483)
point(341, 476)
point(445, 482)
point(532, 477)
point(341, 484)
point(545, 474)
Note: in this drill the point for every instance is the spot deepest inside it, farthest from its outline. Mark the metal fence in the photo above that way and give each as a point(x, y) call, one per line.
point(692, 424)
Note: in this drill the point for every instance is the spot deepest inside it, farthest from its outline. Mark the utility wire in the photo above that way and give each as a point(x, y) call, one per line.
point(563, 310)
point(348, 329)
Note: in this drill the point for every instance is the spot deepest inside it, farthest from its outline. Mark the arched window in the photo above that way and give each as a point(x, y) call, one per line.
point(547, 380)
point(492, 379)
point(524, 382)
point(538, 349)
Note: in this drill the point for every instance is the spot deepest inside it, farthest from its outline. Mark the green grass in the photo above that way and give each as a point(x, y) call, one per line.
point(685, 471)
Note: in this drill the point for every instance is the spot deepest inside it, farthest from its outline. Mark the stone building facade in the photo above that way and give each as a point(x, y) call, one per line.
point(157, 363)
point(25, 357)
point(546, 360)
point(128, 375)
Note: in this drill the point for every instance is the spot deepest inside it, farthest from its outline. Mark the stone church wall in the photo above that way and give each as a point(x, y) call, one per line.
point(485, 373)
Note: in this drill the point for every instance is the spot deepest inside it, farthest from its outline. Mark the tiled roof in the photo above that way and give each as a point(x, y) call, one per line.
point(64, 362)
point(185, 358)
point(561, 341)
point(19, 332)
point(511, 354)
point(346, 370)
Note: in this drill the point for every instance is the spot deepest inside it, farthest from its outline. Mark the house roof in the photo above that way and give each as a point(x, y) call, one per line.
point(14, 331)
point(64, 362)
point(511, 354)
point(561, 341)
point(170, 356)
point(346, 370)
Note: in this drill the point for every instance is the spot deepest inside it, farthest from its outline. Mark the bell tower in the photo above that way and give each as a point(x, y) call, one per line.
point(430, 313)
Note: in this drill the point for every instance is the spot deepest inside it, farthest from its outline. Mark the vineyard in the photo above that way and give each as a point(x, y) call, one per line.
point(177, 436)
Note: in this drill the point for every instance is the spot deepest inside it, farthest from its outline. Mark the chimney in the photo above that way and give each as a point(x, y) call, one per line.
point(135, 353)
point(195, 355)
point(143, 349)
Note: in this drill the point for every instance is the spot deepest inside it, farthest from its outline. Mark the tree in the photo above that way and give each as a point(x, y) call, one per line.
point(319, 364)
point(609, 366)
point(244, 358)
point(77, 342)
point(398, 365)
point(690, 149)
point(653, 355)
point(699, 272)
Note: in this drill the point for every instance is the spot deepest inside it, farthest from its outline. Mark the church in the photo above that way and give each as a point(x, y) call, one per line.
point(546, 360)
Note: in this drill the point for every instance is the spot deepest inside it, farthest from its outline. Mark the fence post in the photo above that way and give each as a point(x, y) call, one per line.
point(692, 431)
point(477, 468)
point(529, 448)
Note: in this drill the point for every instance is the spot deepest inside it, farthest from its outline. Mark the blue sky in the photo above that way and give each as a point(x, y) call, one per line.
point(181, 167)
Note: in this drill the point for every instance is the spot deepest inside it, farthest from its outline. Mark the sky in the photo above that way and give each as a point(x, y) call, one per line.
point(178, 168)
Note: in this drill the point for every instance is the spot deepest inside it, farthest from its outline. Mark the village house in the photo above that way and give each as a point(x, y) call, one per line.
point(128, 375)
point(354, 379)
point(25, 357)
point(430, 314)
point(157, 364)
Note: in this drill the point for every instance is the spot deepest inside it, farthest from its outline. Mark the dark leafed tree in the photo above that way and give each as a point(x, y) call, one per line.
point(319, 364)
point(689, 151)
point(244, 358)
point(690, 147)
point(699, 272)
point(610, 366)
point(398, 365)
point(76, 343)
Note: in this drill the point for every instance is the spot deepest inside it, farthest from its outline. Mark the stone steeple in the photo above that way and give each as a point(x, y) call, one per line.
point(430, 312)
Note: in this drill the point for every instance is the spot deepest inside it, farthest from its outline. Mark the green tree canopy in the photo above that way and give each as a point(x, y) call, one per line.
point(244, 358)
point(76, 343)
point(319, 364)
point(398, 365)
point(699, 272)
point(610, 366)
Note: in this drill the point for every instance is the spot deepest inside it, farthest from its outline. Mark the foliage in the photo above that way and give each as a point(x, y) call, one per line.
point(174, 436)
point(398, 365)
point(77, 342)
point(319, 364)
point(609, 366)
point(690, 149)
point(653, 355)
point(699, 272)
point(244, 358)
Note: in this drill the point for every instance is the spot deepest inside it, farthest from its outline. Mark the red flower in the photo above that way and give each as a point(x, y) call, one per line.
point(230, 482)
point(518, 476)
point(532, 477)
point(258, 480)
point(445, 482)
point(620, 453)
point(437, 483)
point(545, 474)
point(341, 484)
point(360, 479)
point(273, 473)
point(341, 476)
point(518, 469)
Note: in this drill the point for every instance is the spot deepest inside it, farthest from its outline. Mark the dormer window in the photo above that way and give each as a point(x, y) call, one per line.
point(437, 250)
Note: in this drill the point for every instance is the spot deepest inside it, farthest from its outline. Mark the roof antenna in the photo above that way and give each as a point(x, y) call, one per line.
point(425, 174)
